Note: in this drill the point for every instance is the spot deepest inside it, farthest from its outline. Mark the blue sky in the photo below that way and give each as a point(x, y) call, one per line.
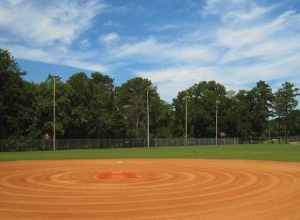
point(174, 43)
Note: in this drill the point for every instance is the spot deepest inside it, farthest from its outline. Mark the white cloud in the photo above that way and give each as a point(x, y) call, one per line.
point(69, 58)
point(266, 40)
point(236, 11)
point(248, 43)
point(163, 28)
point(111, 24)
point(84, 44)
point(47, 31)
point(273, 43)
point(155, 51)
point(109, 38)
point(174, 79)
point(15, 2)
point(60, 21)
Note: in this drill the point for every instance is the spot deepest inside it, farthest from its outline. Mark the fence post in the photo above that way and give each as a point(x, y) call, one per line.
point(2, 146)
point(109, 143)
point(78, 144)
point(121, 143)
point(17, 146)
point(98, 143)
point(133, 143)
point(67, 144)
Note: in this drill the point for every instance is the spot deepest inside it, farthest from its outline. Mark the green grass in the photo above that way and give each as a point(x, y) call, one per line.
point(274, 152)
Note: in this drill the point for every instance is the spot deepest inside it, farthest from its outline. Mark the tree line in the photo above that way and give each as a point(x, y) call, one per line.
point(93, 107)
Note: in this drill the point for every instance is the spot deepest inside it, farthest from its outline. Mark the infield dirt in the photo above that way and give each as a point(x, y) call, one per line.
point(174, 189)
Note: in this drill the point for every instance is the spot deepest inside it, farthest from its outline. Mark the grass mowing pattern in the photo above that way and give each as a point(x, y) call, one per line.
point(274, 152)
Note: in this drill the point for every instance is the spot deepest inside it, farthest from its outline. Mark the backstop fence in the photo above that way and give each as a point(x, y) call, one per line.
point(71, 144)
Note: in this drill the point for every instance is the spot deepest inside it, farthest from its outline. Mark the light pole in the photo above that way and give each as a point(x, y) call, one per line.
point(186, 118)
point(54, 87)
point(148, 119)
point(217, 102)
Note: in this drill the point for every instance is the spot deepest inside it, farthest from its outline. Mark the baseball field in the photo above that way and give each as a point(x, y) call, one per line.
point(186, 183)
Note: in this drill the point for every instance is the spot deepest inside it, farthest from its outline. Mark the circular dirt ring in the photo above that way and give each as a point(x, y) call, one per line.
point(164, 189)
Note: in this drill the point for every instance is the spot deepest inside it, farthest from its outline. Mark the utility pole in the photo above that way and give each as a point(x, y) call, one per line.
point(148, 119)
point(54, 138)
point(186, 127)
point(54, 130)
point(217, 122)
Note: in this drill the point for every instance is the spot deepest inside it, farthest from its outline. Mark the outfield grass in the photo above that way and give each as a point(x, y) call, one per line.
point(274, 152)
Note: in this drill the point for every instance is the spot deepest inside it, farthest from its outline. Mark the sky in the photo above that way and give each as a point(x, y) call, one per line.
point(174, 43)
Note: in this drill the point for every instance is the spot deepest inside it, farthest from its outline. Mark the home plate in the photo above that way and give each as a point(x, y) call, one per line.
point(116, 175)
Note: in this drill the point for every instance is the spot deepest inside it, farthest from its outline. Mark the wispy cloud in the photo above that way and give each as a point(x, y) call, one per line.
point(264, 40)
point(235, 42)
point(47, 31)
point(236, 11)
point(155, 51)
point(174, 79)
point(111, 24)
point(108, 38)
point(163, 28)
point(54, 56)
point(84, 44)
point(60, 21)
point(248, 46)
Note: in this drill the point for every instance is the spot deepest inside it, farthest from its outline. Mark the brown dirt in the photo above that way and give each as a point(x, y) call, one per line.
point(164, 189)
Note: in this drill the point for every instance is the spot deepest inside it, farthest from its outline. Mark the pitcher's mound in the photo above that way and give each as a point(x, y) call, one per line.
point(116, 175)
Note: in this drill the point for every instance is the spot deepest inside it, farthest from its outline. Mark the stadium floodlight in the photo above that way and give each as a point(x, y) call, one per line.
point(217, 102)
point(54, 87)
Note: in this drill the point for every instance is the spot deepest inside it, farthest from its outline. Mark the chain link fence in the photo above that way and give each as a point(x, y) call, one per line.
point(76, 144)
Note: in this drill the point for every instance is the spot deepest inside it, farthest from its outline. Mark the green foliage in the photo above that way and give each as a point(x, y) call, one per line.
point(15, 99)
point(132, 98)
point(92, 107)
point(202, 99)
point(253, 109)
point(284, 104)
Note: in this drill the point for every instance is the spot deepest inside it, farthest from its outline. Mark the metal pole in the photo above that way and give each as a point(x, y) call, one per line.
point(54, 138)
point(216, 122)
point(148, 127)
point(186, 113)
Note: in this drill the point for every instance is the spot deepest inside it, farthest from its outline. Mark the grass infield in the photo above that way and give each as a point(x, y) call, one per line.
point(272, 152)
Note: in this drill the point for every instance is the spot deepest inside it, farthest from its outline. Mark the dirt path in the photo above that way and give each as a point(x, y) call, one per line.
point(164, 189)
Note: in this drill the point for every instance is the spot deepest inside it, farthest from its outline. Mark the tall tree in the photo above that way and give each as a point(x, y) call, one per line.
point(284, 103)
point(43, 117)
point(261, 98)
point(132, 97)
point(202, 99)
point(102, 106)
point(15, 99)
point(80, 116)
point(253, 109)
